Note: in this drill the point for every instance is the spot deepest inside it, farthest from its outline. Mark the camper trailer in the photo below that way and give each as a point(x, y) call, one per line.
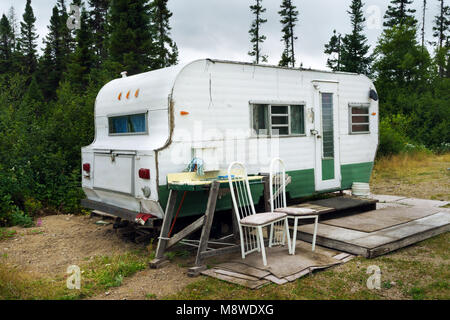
point(324, 125)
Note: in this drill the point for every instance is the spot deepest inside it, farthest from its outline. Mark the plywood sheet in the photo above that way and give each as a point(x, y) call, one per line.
point(375, 220)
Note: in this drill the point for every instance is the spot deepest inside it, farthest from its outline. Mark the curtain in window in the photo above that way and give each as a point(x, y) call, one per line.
point(137, 123)
point(118, 125)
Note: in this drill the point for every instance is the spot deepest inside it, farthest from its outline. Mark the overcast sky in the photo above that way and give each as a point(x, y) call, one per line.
point(219, 28)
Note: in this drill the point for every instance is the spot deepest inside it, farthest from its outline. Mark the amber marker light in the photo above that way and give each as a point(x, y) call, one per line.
point(136, 94)
point(120, 96)
point(128, 94)
point(374, 113)
point(184, 113)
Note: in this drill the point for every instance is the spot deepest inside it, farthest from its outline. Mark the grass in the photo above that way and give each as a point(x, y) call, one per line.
point(421, 271)
point(421, 175)
point(97, 275)
point(409, 273)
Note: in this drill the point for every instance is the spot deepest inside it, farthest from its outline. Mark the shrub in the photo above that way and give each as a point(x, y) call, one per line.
point(391, 140)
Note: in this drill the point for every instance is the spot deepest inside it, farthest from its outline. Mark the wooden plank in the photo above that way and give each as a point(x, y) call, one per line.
point(245, 269)
point(218, 252)
point(170, 209)
point(209, 216)
point(245, 283)
point(276, 280)
point(341, 256)
point(185, 232)
point(389, 247)
point(235, 274)
point(104, 214)
point(297, 275)
point(334, 244)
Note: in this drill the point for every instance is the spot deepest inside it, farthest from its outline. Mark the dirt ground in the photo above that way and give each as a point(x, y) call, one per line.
point(64, 240)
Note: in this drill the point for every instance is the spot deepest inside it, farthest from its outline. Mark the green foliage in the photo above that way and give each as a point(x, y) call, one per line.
point(289, 18)
point(392, 140)
point(257, 38)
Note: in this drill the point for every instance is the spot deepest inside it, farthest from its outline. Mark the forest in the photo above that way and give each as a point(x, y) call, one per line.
point(47, 96)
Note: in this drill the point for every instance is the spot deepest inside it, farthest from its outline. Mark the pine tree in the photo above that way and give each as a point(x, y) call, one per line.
point(289, 17)
point(130, 42)
point(441, 26)
point(166, 50)
point(27, 40)
point(5, 45)
point(12, 18)
point(424, 11)
point(255, 32)
point(333, 49)
point(52, 63)
point(441, 31)
point(66, 39)
point(398, 14)
point(82, 60)
point(98, 26)
point(354, 45)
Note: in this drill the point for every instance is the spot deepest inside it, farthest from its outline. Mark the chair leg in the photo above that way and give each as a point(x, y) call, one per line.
point(242, 242)
point(272, 226)
point(287, 234)
point(315, 233)
point(294, 236)
point(261, 241)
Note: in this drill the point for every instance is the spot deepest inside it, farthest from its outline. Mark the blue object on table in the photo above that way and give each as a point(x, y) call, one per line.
point(196, 165)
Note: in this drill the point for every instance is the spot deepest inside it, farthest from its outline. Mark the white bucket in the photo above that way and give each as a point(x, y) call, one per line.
point(360, 189)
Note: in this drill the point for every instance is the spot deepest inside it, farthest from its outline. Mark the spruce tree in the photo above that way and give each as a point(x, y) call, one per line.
point(82, 60)
point(289, 17)
point(333, 49)
point(257, 38)
point(53, 62)
point(165, 51)
point(441, 31)
point(5, 45)
point(28, 37)
point(98, 26)
point(354, 45)
point(12, 18)
point(399, 14)
point(424, 12)
point(441, 28)
point(130, 42)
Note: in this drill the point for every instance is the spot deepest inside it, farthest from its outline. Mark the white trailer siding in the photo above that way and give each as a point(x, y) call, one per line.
point(217, 97)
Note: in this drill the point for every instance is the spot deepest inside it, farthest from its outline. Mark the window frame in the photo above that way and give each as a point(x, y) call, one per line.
point(144, 112)
point(350, 117)
point(269, 105)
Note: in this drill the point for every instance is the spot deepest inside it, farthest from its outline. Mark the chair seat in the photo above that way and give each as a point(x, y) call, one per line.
point(261, 219)
point(296, 211)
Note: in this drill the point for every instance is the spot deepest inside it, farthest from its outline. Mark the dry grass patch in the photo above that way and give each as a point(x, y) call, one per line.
point(419, 175)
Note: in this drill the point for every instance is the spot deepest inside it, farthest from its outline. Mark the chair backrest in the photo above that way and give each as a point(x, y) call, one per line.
point(277, 184)
point(240, 190)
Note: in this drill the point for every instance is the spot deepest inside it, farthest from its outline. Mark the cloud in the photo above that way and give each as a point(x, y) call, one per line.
point(219, 28)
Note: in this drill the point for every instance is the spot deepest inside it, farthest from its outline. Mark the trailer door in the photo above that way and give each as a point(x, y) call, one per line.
point(114, 171)
point(326, 123)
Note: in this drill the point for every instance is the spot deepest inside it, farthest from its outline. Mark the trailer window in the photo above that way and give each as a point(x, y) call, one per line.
point(359, 118)
point(128, 124)
point(283, 120)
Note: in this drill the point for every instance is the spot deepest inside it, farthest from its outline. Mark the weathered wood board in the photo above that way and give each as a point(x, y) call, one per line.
point(375, 220)
point(374, 233)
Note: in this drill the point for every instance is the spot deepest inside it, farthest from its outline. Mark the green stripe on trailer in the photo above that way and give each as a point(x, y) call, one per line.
point(358, 172)
point(302, 185)
point(327, 169)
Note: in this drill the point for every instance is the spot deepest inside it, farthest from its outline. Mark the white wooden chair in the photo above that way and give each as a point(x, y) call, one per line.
point(278, 202)
point(248, 220)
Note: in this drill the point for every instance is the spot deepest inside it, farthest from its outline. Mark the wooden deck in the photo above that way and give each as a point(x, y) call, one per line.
point(398, 223)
